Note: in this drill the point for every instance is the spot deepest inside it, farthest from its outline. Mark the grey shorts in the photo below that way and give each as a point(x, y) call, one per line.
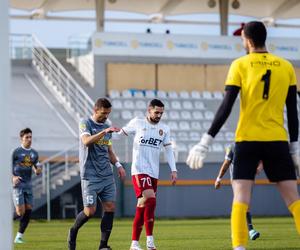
point(22, 196)
point(105, 190)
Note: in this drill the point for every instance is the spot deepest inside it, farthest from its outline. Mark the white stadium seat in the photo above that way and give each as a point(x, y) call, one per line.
point(186, 115)
point(173, 125)
point(138, 94)
point(199, 105)
point(197, 115)
point(174, 115)
point(138, 113)
point(187, 105)
point(172, 95)
point(195, 94)
point(175, 105)
point(140, 104)
point(184, 95)
point(184, 125)
point(126, 115)
point(161, 94)
point(150, 94)
point(195, 125)
point(126, 93)
point(218, 95)
point(209, 115)
point(207, 95)
point(128, 104)
point(114, 94)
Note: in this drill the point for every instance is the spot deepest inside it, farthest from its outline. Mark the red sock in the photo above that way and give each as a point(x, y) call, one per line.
point(149, 215)
point(138, 223)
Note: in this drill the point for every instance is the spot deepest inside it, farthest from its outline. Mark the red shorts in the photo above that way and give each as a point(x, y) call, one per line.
point(142, 182)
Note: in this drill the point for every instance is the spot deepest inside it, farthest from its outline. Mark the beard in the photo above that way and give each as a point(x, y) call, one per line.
point(154, 120)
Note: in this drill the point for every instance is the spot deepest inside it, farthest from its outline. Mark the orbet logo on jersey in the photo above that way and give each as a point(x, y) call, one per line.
point(150, 141)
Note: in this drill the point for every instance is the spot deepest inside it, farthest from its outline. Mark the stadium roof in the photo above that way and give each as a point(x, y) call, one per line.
point(158, 9)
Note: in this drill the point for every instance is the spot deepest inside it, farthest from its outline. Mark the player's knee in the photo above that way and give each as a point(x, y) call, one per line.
point(89, 211)
point(109, 206)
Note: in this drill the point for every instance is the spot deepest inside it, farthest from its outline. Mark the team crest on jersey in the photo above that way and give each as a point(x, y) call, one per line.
point(82, 127)
point(161, 132)
point(27, 161)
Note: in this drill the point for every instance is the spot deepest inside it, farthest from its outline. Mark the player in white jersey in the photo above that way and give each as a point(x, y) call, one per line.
point(150, 135)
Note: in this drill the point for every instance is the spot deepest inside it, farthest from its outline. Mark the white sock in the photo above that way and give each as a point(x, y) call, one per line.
point(239, 248)
point(150, 238)
point(19, 235)
point(134, 243)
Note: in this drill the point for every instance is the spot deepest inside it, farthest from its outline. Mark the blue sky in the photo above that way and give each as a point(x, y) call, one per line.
point(57, 33)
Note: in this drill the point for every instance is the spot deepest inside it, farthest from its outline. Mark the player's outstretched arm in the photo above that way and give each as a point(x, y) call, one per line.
point(114, 160)
point(88, 140)
point(198, 153)
point(171, 161)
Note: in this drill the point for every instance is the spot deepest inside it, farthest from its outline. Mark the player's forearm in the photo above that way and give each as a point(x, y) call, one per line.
point(224, 110)
point(223, 169)
point(88, 140)
point(170, 158)
point(292, 113)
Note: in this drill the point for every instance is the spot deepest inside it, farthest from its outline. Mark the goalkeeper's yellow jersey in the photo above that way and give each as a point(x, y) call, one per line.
point(264, 80)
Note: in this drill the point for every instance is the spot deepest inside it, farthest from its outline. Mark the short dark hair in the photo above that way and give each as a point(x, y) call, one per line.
point(256, 31)
point(102, 103)
point(25, 131)
point(156, 102)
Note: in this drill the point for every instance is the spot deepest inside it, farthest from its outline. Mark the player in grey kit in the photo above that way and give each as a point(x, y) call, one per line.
point(24, 160)
point(97, 181)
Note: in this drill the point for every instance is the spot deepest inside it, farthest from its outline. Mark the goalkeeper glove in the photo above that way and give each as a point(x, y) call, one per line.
point(198, 153)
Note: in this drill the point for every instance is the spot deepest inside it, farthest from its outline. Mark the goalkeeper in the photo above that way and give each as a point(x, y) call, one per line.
point(253, 234)
point(266, 83)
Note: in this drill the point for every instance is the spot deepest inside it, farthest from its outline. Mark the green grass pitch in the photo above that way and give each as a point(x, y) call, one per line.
point(194, 234)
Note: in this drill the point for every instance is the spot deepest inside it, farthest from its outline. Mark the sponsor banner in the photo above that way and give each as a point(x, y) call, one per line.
point(185, 46)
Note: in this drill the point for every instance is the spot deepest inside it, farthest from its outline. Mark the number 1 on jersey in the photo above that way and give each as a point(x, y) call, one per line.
point(266, 79)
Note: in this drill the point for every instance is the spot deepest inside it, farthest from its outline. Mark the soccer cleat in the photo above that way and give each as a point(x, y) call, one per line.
point(135, 246)
point(18, 240)
point(72, 239)
point(150, 245)
point(253, 234)
point(105, 248)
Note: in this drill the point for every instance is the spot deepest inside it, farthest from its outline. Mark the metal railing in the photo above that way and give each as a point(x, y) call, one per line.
point(55, 170)
point(63, 86)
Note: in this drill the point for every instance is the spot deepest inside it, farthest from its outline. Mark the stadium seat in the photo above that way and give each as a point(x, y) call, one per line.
point(167, 105)
point(184, 125)
point(197, 115)
point(126, 115)
point(229, 136)
point(172, 95)
point(218, 95)
point(207, 95)
point(150, 94)
point(174, 115)
point(175, 105)
point(220, 137)
point(182, 136)
point(128, 104)
point(186, 115)
point(217, 147)
point(187, 105)
point(116, 104)
point(173, 125)
point(199, 105)
point(181, 147)
point(126, 93)
point(138, 113)
point(209, 115)
point(195, 125)
point(195, 136)
point(184, 95)
point(195, 94)
point(165, 116)
point(138, 94)
point(68, 202)
point(161, 94)
point(140, 104)
point(114, 94)
point(206, 125)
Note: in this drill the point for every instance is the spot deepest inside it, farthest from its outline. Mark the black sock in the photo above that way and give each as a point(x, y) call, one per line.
point(80, 220)
point(249, 221)
point(24, 221)
point(16, 216)
point(106, 227)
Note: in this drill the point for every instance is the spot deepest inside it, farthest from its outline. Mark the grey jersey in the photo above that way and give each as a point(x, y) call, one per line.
point(22, 162)
point(94, 160)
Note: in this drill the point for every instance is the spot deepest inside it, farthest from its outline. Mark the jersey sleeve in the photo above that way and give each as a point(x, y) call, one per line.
point(293, 76)
point(233, 76)
point(167, 138)
point(84, 128)
point(13, 160)
point(130, 127)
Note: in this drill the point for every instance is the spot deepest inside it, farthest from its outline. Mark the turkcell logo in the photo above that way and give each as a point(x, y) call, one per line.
point(150, 141)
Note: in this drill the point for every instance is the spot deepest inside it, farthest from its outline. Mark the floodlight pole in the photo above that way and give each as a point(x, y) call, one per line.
point(223, 4)
point(100, 7)
point(5, 173)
